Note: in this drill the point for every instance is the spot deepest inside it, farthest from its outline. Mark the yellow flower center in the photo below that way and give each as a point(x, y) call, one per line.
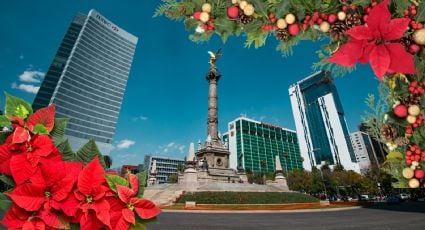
point(130, 206)
point(47, 194)
point(89, 199)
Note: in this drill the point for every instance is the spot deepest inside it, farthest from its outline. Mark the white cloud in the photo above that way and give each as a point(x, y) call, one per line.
point(125, 144)
point(181, 148)
point(26, 88)
point(171, 148)
point(21, 57)
point(32, 76)
point(171, 144)
point(140, 118)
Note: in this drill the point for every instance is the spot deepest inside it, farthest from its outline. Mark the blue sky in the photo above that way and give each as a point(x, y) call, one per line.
point(165, 104)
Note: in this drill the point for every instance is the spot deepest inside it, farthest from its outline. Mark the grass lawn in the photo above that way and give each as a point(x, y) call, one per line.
point(246, 198)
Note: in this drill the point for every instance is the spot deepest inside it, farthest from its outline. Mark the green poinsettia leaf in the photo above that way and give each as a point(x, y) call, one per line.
point(142, 176)
point(88, 152)
point(5, 202)
point(59, 130)
point(7, 180)
point(114, 180)
point(40, 129)
point(17, 107)
point(66, 151)
point(138, 226)
point(4, 121)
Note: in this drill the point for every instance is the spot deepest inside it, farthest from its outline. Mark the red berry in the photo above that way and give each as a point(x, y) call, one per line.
point(353, 7)
point(414, 84)
point(368, 10)
point(344, 8)
point(417, 157)
point(413, 12)
point(412, 7)
point(315, 16)
point(324, 16)
point(414, 48)
point(271, 15)
point(319, 21)
point(332, 18)
point(408, 162)
point(365, 18)
point(412, 148)
point(305, 26)
point(294, 29)
point(307, 17)
point(233, 12)
point(411, 89)
point(408, 153)
point(374, 4)
point(417, 151)
point(415, 125)
point(272, 20)
point(405, 12)
point(419, 173)
point(419, 26)
point(400, 111)
point(197, 15)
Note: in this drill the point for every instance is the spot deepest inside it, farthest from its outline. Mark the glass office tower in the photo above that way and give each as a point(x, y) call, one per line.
point(87, 79)
point(253, 146)
point(321, 127)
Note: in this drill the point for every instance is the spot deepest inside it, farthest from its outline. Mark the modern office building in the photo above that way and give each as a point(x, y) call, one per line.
point(363, 149)
point(378, 148)
point(253, 146)
point(321, 127)
point(165, 166)
point(87, 79)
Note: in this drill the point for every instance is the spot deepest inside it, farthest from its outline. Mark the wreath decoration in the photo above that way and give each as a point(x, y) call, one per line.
point(54, 188)
point(389, 35)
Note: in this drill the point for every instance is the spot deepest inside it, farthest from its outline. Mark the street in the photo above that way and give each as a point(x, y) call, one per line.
point(382, 216)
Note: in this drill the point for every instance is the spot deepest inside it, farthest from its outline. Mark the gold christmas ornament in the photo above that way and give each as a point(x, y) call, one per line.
point(204, 17)
point(206, 7)
point(411, 119)
point(242, 4)
point(419, 36)
point(414, 110)
point(408, 173)
point(413, 183)
point(290, 19)
point(341, 15)
point(248, 10)
point(281, 23)
point(324, 27)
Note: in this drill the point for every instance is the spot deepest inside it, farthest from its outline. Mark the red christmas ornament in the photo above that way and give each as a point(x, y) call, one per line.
point(197, 15)
point(400, 111)
point(294, 29)
point(414, 48)
point(233, 12)
point(419, 173)
point(332, 18)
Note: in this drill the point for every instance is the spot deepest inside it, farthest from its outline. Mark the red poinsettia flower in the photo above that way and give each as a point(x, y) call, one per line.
point(123, 216)
point(376, 42)
point(24, 165)
point(15, 217)
point(5, 155)
point(93, 209)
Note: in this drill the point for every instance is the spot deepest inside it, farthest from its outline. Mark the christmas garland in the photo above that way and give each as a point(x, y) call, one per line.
point(54, 188)
point(390, 35)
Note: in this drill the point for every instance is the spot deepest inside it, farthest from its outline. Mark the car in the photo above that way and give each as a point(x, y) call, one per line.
point(422, 199)
point(393, 200)
point(403, 196)
point(364, 197)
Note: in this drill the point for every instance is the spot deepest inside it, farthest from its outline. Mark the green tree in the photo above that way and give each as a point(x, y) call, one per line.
point(174, 178)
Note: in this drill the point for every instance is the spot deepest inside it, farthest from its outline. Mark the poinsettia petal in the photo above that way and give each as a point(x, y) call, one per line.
point(121, 224)
point(349, 53)
point(17, 120)
point(20, 135)
point(134, 183)
point(125, 193)
point(21, 169)
point(15, 217)
point(379, 16)
point(5, 156)
point(146, 209)
point(380, 60)
point(129, 216)
point(69, 206)
point(28, 196)
point(44, 116)
point(401, 60)
point(73, 169)
point(366, 53)
point(62, 189)
point(360, 33)
point(50, 172)
point(91, 177)
point(42, 145)
point(34, 224)
point(53, 219)
point(90, 222)
point(102, 211)
point(396, 29)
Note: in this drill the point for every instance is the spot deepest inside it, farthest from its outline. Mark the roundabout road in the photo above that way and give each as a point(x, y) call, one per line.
point(406, 216)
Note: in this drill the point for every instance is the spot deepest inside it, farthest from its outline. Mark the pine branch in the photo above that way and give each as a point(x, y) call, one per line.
point(163, 8)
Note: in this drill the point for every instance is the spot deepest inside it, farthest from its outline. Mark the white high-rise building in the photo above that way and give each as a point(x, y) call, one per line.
point(363, 149)
point(320, 123)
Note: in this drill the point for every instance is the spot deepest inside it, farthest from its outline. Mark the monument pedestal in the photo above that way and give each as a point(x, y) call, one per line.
point(280, 181)
point(190, 180)
point(152, 180)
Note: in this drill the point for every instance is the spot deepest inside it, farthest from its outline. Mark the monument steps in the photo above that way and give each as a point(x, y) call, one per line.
point(163, 195)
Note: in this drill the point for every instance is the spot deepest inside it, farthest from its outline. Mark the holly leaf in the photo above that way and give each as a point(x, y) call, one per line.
point(88, 152)
point(59, 130)
point(114, 180)
point(142, 182)
point(17, 107)
point(7, 180)
point(40, 129)
point(4, 121)
point(5, 202)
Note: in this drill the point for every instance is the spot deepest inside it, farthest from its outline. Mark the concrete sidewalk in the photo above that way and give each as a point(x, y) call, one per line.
point(261, 211)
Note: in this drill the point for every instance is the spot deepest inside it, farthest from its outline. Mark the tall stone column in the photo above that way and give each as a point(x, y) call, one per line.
point(212, 77)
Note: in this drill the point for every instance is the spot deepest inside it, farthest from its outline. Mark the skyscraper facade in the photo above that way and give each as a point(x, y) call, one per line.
point(363, 149)
point(87, 79)
point(377, 146)
point(253, 146)
point(321, 127)
point(165, 166)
